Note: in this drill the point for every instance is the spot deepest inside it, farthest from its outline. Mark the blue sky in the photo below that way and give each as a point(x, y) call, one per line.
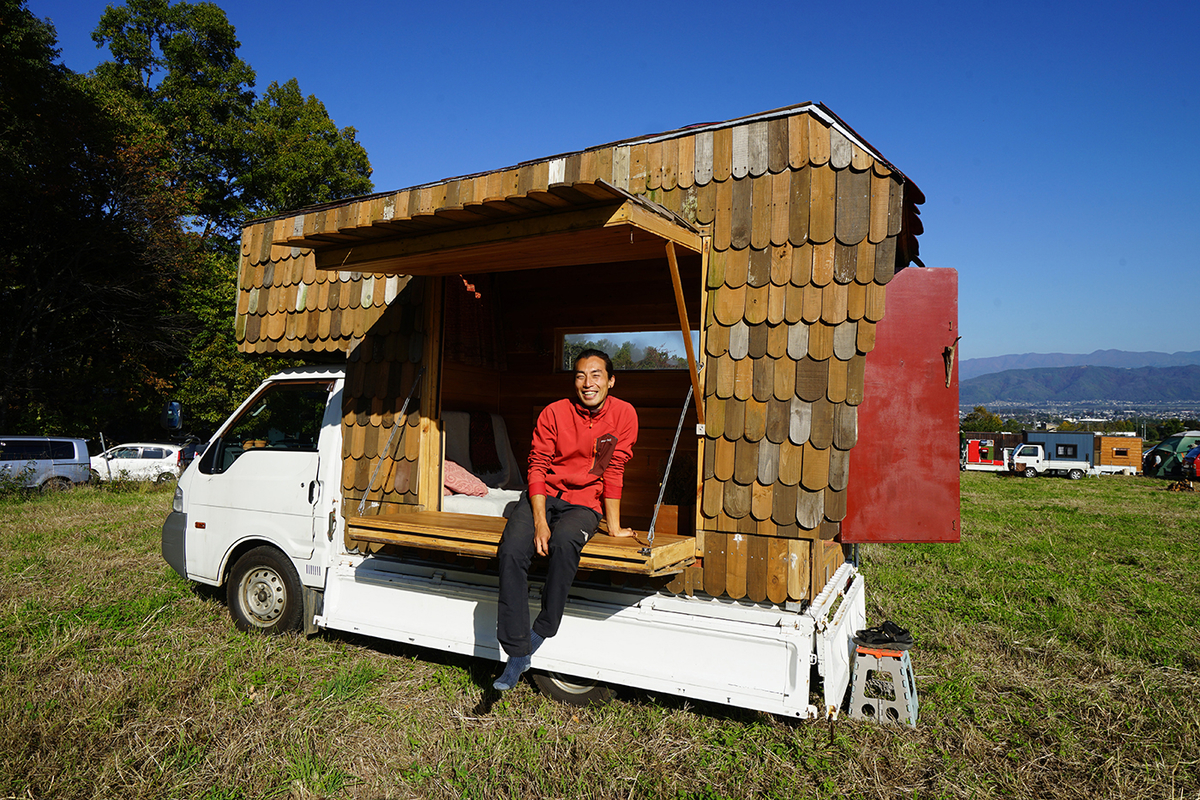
point(1054, 141)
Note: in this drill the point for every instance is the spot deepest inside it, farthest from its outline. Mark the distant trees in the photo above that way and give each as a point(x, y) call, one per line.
point(236, 155)
point(980, 419)
point(626, 355)
point(91, 255)
point(1161, 429)
point(123, 193)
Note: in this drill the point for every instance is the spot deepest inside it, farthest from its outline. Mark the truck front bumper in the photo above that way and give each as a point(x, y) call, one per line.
point(174, 536)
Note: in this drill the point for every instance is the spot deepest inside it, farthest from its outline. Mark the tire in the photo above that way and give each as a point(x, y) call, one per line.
point(572, 691)
point(57, 484)
point(264, 593)
point(1075, 474)
point(163, 477)
point(1030, 472)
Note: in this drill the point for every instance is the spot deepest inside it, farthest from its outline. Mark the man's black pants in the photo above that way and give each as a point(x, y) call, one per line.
point(570, 528)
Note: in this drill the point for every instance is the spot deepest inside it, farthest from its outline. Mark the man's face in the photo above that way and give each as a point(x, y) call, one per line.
point(592, 382)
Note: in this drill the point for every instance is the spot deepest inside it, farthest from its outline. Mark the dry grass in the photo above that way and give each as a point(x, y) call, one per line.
point(1055, 658)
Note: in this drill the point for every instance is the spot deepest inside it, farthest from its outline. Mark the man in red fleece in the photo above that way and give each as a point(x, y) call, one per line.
point(576, 468)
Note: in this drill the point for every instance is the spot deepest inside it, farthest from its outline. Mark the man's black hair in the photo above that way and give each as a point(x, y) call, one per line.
point(592, 352)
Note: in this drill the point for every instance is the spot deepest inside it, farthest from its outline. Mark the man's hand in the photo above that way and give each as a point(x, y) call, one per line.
point(541, 528)
point(541, 537)
point(612, 515)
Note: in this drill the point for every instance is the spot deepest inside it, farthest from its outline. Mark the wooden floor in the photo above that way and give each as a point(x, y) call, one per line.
point(479, 536)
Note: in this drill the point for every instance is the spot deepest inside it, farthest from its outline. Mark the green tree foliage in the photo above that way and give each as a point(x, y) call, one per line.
point(123, 193)
point(296, 156)
point(180, 62)
point(235, 156)
point(238, 156)
point(980, 419)
point(91, 254)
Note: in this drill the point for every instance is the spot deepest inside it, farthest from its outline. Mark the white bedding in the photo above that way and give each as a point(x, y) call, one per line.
point(491, 506)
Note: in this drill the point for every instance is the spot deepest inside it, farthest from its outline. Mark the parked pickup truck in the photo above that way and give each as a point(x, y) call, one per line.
point(1032, 460)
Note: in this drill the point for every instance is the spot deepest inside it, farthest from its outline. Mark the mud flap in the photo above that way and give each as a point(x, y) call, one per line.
point(838, 611)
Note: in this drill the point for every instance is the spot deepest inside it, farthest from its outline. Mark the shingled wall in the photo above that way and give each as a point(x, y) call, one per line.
point(806, 223)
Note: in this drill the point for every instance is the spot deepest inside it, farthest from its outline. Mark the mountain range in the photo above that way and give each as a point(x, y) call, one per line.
point(1083, 384)
point(973, 367)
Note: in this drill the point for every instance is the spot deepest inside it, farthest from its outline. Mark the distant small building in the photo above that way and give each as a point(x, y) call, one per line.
point(1118, 452)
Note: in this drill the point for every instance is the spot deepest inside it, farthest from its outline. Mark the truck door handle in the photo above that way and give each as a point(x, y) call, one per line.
point(313, 491)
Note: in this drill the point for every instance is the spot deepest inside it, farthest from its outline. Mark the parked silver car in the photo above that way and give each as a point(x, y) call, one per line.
point(48, 463)
point(140, 461)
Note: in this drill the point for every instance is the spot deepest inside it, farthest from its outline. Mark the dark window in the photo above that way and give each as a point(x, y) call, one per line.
point(154, 452)
point(1065, 450)
point(1120, 451)
point(24, 451)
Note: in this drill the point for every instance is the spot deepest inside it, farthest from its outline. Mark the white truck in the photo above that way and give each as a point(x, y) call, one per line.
point(1032, 460)
point(259, 512)
point(321, 503)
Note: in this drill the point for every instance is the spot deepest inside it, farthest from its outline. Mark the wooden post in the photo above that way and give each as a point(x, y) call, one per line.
point(429, 465)
point(687, 332)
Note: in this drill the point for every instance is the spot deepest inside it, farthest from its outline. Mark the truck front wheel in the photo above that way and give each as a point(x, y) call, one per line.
point(572, 691)
point(264, 592)
point(1030, 472)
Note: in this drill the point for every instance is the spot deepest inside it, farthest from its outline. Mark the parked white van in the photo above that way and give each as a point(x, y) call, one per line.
point(44, 462)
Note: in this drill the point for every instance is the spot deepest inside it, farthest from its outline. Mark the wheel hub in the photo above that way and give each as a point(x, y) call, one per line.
point(265, 596)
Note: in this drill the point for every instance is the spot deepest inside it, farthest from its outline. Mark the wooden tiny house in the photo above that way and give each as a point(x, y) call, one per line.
point(1118, 453)
point(774, 236)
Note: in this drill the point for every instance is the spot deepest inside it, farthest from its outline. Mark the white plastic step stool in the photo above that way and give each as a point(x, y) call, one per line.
point(884, 687)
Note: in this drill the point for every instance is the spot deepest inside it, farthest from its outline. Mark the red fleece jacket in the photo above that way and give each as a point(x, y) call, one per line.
point(580, 455)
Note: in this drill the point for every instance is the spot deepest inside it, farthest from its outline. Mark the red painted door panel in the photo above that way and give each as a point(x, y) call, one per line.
point(904, 468)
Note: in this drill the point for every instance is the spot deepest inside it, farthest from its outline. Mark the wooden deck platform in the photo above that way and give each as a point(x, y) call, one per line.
point(479, 536)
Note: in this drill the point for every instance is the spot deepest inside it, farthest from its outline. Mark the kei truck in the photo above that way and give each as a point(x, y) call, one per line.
point(1066, 453)
point(809, 403)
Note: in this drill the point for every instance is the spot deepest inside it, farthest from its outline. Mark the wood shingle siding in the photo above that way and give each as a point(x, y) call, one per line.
point(804, 225)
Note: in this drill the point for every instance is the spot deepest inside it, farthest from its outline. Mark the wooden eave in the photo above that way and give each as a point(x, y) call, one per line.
point(567, 224)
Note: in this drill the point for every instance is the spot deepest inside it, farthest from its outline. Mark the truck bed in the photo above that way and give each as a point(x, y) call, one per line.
point(479, 536)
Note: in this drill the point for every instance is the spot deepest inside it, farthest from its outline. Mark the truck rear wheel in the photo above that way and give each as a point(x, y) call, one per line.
point(264, 592)
point(572, 691)
point(1030, 472)
point(1075, 474)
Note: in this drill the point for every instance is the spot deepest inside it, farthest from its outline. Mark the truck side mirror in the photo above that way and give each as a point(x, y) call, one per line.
point(172, 416)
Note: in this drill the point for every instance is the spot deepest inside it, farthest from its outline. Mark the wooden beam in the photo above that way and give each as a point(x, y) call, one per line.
point(429, 485)
point(697, 395)
point(528, 242)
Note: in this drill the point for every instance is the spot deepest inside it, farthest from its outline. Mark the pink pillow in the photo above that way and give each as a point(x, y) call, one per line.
point(459, 481)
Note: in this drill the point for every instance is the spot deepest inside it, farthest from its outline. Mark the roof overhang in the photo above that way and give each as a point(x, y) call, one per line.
point(569, 224)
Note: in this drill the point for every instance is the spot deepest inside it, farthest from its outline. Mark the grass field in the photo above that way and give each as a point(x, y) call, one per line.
point(1056, 656)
